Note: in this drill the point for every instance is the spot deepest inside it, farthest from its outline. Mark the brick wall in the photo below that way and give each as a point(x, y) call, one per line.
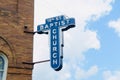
point(14, 43)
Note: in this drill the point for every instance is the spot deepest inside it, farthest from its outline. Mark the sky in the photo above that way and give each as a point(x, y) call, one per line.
point(91, 49)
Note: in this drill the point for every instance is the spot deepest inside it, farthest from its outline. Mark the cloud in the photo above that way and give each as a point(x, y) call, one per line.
point(78, 43)
point(109, 75)
point(69, 72)
point(81, 10)
point(82, 74)
point(76, 40)
point(115, 24)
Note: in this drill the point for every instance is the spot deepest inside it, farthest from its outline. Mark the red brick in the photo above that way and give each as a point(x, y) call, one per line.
point(17, 45)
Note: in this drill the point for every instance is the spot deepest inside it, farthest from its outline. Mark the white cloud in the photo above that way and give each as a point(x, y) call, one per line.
point(76, 40)
point(115, 25)
point(109, 75)
point(75, 46)
point(82, 74)
point(69, 72)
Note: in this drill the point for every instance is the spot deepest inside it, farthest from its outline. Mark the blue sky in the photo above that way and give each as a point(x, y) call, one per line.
point(91, 49)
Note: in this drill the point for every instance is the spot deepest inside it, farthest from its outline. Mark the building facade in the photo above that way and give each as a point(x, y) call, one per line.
point(16, 46)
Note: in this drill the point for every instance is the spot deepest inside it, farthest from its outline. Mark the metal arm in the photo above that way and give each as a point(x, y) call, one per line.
point(32, 63)
point(31, 32)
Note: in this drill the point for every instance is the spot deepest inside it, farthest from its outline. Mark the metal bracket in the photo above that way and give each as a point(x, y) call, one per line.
point(71, 26)
point(31, 32)
point(32, 63)
point(26, 30)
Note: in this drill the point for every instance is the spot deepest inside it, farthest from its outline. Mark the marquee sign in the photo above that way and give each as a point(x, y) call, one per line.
point(54, 26)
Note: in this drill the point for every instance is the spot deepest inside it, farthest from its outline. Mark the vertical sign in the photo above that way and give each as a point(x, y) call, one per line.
point(55, 26)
